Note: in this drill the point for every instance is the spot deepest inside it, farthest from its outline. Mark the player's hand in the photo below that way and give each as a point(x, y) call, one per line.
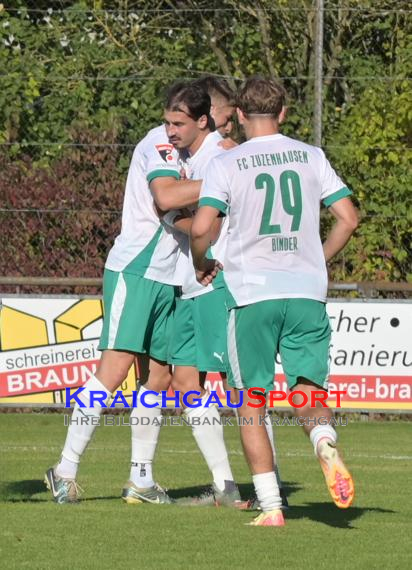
point(210, 268)
point(227, 143)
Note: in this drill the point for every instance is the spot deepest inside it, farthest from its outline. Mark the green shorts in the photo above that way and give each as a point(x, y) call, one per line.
point(199, 332)
point(138, 314)
point(297, 329)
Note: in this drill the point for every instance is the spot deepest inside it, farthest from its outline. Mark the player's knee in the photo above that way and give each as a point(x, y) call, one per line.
point(181, 384)
point(112, 372)
point(159, 380)
point(186, 379)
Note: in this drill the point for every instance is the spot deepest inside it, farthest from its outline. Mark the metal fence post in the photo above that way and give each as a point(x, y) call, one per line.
point(317, 106)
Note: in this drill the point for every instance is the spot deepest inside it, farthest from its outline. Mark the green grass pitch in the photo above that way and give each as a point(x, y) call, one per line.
point(102, 532)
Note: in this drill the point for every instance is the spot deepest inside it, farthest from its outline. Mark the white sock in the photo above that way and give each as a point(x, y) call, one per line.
point(83, 422)
point(207, 430)
point(269, 429)
point(267, 491)
point(66, 468)
point(141, 474)
point(144, 438)
point(322, 432)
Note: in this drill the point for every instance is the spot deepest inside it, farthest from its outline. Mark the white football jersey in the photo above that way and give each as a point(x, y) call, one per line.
point(196, 166)
point(146, 246)
point(271, 187)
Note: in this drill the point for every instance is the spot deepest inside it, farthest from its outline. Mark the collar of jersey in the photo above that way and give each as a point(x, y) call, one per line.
point(266, 137)
point(208, 138)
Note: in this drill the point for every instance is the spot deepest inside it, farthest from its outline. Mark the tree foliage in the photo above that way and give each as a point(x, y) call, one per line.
point(78, 76)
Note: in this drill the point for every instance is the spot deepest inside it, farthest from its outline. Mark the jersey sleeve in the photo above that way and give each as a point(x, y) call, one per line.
point(215, 190)
point(161, 158)
point(332, 187)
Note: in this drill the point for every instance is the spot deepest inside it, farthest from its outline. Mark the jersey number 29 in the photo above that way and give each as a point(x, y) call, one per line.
point(291, 195)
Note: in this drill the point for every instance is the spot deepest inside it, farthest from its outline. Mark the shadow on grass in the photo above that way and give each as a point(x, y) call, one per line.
point(246, 490)
point(24, 491)
point(328, 514)
point(325, 512)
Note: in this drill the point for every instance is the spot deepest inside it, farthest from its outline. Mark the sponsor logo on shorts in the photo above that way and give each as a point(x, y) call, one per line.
point(219, 356)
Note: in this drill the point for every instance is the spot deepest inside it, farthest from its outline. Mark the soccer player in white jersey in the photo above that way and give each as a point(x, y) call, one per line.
point(140, 282)
point(192, 135)
point(198, 339)
point(199, 329)
point(221, 110)
point(276, 276)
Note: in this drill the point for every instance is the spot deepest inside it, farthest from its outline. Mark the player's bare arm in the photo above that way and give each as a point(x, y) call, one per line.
point(346, 223)
point(201, 236)
point(169, 193)
point(184, 225)
point(182, 220)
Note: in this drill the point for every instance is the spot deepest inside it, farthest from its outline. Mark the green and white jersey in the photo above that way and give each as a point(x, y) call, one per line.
point(272, 187)
point(146, 246)
point(196, 167)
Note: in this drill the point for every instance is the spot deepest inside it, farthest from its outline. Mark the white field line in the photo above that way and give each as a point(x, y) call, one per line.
point(387, 456)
